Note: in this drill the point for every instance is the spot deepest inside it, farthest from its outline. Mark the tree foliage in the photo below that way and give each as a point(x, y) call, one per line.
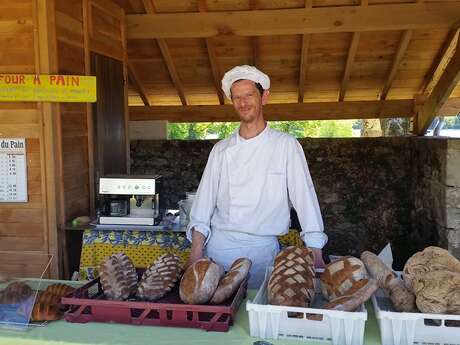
point(299, 129)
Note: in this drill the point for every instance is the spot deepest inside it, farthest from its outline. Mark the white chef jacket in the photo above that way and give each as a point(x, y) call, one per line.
point(247, 189)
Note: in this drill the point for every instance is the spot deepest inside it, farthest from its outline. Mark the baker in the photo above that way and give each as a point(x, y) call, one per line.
point(250, 181)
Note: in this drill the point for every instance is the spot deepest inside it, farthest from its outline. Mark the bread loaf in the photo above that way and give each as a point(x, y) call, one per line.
point(59, 289)
point(46, 297)
point(437, 292)
point(200, 281)
point(118, 276)
point(401, 297)
point(16, 292)
point(430, 259)
point(292, 280)
point(232, 280)
point(341, 277)
point(45, 312)
point(352, 301)
point(160, 277)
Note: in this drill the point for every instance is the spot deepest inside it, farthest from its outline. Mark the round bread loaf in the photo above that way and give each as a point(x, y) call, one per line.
point(232, 280)
point(430, 259)
point(200, 281)
point(292, 280)
point(118, 276)
point(160, 277)
point(341, 277)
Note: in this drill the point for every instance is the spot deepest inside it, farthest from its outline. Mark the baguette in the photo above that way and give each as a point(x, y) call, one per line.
point(401, 297)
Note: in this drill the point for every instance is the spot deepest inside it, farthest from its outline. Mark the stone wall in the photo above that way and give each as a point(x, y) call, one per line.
point(371, 190)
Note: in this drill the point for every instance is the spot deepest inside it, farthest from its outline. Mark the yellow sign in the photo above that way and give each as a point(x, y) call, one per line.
point(47, 88)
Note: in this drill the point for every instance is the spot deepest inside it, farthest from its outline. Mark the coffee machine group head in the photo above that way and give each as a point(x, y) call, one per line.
point(130, 200)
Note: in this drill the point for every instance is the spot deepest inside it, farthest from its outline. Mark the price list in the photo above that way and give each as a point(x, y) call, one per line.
point(13, 170)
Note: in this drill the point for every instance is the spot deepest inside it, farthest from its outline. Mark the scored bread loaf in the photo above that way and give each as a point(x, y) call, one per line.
point(341, 277)
point(292, 280)
point(352, 301)
point(200, 281)
point(59, 289)
point(45, 312)
point(160, 277)
point(232, 280)
point(46, 297)
point(118, 276)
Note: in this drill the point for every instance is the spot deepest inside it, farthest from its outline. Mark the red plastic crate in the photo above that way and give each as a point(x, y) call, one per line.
point(88, 304)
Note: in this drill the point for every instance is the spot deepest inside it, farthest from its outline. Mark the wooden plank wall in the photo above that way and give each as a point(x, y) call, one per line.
point(59, 175)
point(103, 22)
point(24, 244)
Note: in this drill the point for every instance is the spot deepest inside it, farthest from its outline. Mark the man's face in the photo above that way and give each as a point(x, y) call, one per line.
point(247, 100)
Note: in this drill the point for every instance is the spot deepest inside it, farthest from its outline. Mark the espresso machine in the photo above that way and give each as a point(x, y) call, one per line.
point(128, 200)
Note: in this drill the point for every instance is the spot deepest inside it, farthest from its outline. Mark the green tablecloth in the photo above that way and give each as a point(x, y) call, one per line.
point(62, 332)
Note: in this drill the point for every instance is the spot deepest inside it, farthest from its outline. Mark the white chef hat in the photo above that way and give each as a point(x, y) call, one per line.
point(244, 72)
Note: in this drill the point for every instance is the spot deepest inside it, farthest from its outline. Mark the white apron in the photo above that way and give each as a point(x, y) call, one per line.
point(225, 247)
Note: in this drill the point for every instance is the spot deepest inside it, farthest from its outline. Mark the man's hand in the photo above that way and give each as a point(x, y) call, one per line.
point(319, 262)
point(196, 252)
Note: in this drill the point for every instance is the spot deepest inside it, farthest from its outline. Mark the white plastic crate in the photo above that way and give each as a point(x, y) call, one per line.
point(273, 322)
point(397, 328)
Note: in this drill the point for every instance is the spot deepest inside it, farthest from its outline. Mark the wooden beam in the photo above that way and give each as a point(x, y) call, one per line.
point(350, 60)
point(89, 107)
point(349, 65)
point(50, 136)
point(215, 69)
point(403, 44)
point(172, 70)
point(278, 112)
point(149, 6)
point(440, 94)
point(165, 53)
point(303, 66)
point(202, 7)
point(132, 75)
point(438, 61)
point(295, 21)
point(303, 59)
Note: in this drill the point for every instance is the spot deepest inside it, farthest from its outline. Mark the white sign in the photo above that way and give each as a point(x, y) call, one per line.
point(13, 170)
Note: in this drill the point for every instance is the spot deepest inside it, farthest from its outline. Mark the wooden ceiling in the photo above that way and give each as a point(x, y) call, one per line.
point(343, 55)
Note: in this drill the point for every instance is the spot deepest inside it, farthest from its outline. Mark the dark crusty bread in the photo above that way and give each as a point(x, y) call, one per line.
point(160, 277)
point(118, 276)
point(15, 292)
point(232, 280)
point(340, 276)
point(200, 281)
point(292, 280)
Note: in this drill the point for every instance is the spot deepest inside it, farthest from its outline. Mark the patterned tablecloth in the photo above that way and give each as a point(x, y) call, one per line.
point(143, 247)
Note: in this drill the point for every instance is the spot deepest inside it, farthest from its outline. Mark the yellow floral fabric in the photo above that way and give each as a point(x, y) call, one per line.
point(143, 247)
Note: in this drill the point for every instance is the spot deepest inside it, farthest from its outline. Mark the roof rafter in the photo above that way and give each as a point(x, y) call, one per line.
point(402, 47)
point(350, 60)
point(132, 75)
point(441, 92)
point(304, 59)
point(440, 57)
point(212, 58)
point(167, 58)
point(295, 21)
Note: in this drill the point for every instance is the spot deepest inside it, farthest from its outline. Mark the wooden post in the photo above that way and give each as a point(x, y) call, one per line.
point(50, 143)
